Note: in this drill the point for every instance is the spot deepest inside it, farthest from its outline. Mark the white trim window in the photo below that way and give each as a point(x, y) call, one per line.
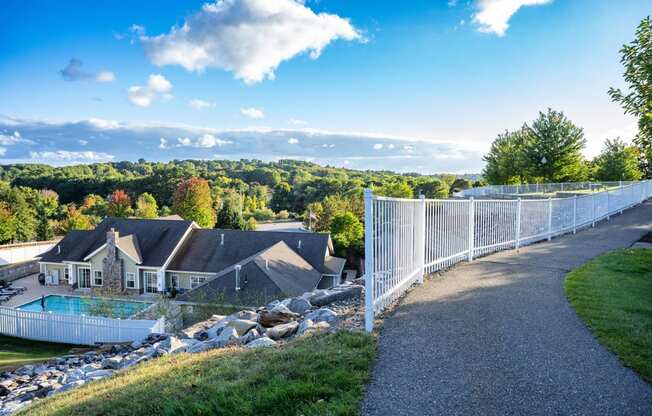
point(66, 273)
point(150, 280)
point(97, 278)
point(130, 280)
point(197, 281)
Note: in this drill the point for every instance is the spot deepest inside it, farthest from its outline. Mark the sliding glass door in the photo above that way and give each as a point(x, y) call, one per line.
point(84, 277)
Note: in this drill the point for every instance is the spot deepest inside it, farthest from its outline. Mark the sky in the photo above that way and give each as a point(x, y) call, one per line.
point(419, 86)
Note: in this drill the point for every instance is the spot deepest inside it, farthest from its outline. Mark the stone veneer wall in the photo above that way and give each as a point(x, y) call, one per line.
point(112, 266)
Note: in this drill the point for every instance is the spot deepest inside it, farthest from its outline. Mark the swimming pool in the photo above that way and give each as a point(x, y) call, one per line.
point(77, 305)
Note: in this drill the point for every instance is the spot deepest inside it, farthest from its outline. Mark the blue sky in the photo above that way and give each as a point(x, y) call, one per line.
point(410, 86)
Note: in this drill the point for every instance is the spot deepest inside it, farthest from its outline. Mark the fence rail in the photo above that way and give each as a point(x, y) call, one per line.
point(75, 329)
point(408, 238)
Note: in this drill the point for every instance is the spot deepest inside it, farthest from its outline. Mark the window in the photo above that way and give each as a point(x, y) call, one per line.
point(131, 280)
point(196, 281)
point(66, 273)
point(84, 277)
point(150, 282)
point(97, 277)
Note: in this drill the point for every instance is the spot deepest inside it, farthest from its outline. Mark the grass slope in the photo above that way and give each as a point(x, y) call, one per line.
point(317, 375)
point(15, 352)
point(613, 295)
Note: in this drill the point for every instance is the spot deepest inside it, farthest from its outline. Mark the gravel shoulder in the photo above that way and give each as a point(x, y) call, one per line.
point(497, 336)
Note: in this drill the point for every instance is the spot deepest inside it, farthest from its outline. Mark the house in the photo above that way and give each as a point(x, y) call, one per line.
point(142, 256)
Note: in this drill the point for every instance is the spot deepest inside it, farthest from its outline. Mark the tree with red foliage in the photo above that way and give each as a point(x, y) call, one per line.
point(119, 204)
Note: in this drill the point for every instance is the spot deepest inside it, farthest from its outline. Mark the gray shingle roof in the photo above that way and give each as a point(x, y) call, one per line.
point(203, 251)
point(156, 240)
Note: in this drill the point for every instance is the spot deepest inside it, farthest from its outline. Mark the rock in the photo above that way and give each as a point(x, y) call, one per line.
point(91, 367)
point(299, 305)
point(228, 336)
point(242, 325)
point(249, 336)
point(282, 331)
point(336, 294)
point(136, 344)
point(248, 315)
point(261, 343)
point(113, 363)
point(93, 375)
point(70, 385)
point(272, 304)
point(178, 345)
point(4, 391)
point(280, 314)
point(323, 314)
point(201, 346)
point(308, 326)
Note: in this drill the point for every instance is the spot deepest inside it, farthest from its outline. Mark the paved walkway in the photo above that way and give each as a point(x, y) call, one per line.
point(497, 337)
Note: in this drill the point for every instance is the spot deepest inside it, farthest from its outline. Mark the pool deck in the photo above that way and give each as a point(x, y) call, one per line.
point(35, 291)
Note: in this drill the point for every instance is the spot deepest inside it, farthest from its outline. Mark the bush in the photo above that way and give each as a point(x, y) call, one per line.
point(282, 215)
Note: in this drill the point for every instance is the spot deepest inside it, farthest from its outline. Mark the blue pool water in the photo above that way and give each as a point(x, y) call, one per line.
point(76, 305)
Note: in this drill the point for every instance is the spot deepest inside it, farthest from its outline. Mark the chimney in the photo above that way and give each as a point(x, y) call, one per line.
point(112, 235)
point(237, 277)
point(222, 239)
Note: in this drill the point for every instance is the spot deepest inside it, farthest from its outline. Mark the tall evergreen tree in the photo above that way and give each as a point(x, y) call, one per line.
point(44, 230)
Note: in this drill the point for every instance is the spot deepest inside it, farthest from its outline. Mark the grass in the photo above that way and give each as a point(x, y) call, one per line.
point(15, 352)
point(316, 375)
point(613, 295)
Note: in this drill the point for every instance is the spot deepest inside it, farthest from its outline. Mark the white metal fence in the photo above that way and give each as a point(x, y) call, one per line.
point(408, 238)
point(75, 329)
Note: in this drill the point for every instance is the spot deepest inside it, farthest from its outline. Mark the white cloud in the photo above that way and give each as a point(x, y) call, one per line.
point(105, 76)
point(103, 124)
point(329, 146)
point(248, 37)
point(252, 112)
point(83, 142)
point(198, 104)
point(292, 140)
point(158, 87)
point(3, 151)
point(493, 16)
point(390, 146)
point(163, 143)
point(158, 83)
point(67, 156)
point(296, 122)
point(206, 141)
point(378, 146)
point(12, 139)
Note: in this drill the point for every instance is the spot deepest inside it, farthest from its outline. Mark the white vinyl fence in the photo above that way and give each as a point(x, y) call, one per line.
point(406, 239)
point(75, 329)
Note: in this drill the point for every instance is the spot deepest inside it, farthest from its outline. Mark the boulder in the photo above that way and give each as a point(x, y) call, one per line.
point(98, 374)
point(280, 314)
point(261, 343)
point(299, 305)
point(113, 363)
point(282, 331)
point(336, 294)
point(248, 315)
point(228, 336)
point(249, 336)
point(136, 344)
point(242, 325)
point(181, 344)
point(308, 326)
point(323, 315)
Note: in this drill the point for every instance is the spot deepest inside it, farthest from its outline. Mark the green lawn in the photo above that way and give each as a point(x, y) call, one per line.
point(316, 375)
point(15, 352)
point(613, 295)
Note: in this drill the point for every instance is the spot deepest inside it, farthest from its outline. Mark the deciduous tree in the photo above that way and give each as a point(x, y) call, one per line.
point(119, 204)
point(146, 206)
point(193, 202)
point(617, 162)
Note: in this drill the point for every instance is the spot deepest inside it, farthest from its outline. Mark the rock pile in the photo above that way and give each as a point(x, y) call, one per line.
point(276, 322)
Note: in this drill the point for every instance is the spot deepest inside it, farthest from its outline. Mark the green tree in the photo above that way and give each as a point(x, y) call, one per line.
point(146, 206)
point(395, 189)
point(7, 224)
point(617, 162)
point(119, 204)
point(44, 230)
point(76, 220)
point(553, 149)
point(193, 202)
point(347, 233)
point(49, 200)
point(637, 100)
point(433, 189)
point(505, 162)
point(250, 224)
point(94, 205)
point(229, 215)
point(460, 184)
point(23, 213)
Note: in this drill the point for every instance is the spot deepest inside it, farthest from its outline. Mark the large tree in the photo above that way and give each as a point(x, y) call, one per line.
point(637, 100)
point(505, 162)
point(347, 233)
point(146, 206)
point(230, 215)
point(617, 162)
point(7, 223)
point(119, 204)
point(44, 230)
point(193, 202)
point(553, 148)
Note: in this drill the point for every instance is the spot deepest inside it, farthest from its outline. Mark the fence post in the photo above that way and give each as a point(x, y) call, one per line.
point(471, 227)
point(421, 232)
point(549, 219)
point(518, 223)
point(574, 214)
point(368, 260)
point(592, 209)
